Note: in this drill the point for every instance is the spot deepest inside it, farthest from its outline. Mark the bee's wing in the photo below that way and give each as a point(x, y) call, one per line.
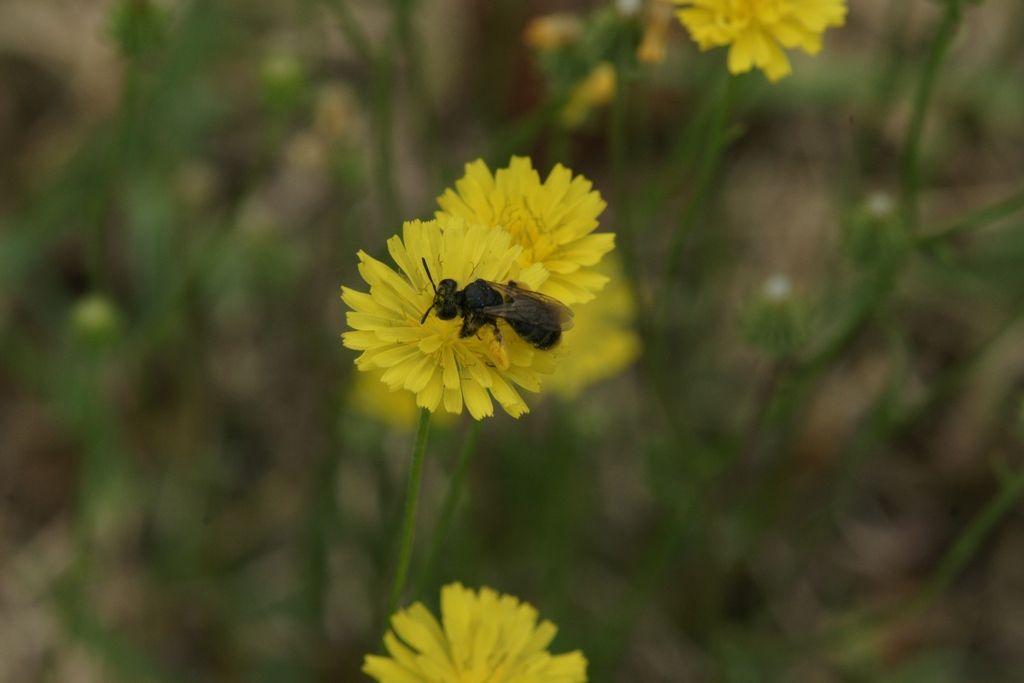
point(530, 307)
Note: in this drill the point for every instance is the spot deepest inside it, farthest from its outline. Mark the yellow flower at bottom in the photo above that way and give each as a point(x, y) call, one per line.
point(430, 359)
point(757, 30)
point(483, 637)
point(553, 221)
point(603, 341)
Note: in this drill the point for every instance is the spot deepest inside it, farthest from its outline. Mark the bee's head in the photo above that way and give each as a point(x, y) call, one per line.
point(444, 297)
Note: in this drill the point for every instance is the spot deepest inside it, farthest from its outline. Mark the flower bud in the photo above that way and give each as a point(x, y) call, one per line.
point(553, 31)
point(872, 233)
point(597, 89)
point(94, 319)
point(658, 18)
point(628, 8)
point(775, 321)
point(283, 78)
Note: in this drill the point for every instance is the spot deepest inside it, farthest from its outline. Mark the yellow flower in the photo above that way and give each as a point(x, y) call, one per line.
point(757, 30)
point(552, 221)
point(602, 342)
point(597, 89)
point(652, 48)
point(483, 637)
point(552, 31)
point(430, 359)
point(370, 397)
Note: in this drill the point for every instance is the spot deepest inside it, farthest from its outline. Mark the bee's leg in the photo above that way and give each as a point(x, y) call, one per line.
point(470, 324)
point(497, 331)
point(496, 347)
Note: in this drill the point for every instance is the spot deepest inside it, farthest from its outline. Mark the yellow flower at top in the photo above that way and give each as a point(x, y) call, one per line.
point(429, 358)
point(756, 31)
point(483, 637)
point(552, 221)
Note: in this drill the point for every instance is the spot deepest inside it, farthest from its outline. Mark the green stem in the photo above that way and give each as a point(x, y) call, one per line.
point(383, 87)
point(524, 132)
point(876, 290)
point(911, 180)
point(380, 60)
point(978, 219)
point(352, 30)
point(617, 157)
point(868, 626)
point(717, 141)
point(617, 131)
point(415, 68)
point(967, 544)
point(412, 494)
point(559, 145)
point(944, 388)
point(451, 500)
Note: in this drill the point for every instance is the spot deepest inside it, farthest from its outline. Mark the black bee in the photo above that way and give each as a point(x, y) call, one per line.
point(537, 318)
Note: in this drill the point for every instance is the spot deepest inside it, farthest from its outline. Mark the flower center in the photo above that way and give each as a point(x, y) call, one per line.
point(529, 232)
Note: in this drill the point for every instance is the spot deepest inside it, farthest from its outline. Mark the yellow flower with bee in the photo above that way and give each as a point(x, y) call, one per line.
point(432, 356)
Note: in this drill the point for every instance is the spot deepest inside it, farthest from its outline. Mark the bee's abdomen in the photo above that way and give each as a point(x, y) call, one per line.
point(538, 336)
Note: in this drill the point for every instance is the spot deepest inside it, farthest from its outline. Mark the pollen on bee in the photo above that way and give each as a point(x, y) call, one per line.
point(496, 350)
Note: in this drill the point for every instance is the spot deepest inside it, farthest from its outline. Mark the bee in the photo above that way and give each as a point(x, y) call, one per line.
point(535, 317)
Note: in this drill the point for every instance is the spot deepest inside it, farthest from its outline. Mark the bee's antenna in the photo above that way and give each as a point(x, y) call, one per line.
point(429, 278)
